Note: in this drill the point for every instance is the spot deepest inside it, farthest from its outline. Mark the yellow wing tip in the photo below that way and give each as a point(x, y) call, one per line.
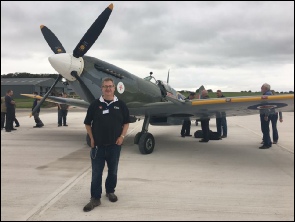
point(111, 6)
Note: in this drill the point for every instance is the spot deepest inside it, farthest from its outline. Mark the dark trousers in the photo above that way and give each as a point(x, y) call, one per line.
point(265, 131)
point(274, 120)
point(186, 128)
point(3, 116)
point(99, 155)
point(221, 126)
point(205, 128)
point(16, 121)
point(10, 116)
point(62, 116)
point(37, 119)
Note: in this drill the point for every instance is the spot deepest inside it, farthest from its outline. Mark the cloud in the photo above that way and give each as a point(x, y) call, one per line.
point(228, 45)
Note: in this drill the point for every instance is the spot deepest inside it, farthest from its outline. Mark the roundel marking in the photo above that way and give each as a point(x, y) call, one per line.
point(120, 87)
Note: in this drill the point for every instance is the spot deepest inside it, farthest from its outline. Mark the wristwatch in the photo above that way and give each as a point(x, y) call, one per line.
point(122, 136)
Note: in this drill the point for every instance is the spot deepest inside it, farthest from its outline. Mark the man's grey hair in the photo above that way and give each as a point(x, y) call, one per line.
point(107, 79)
point(266, 85)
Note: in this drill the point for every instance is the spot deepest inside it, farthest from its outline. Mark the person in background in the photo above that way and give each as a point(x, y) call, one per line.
point(3, 112)
point(10, 111)
point(221, 123)
point(186, 125)
point(205, 121)
point(264, 119)
point(63, 112)
point(37, 119)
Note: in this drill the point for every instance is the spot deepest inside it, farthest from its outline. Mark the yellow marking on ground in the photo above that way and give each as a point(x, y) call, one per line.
point(242, 99)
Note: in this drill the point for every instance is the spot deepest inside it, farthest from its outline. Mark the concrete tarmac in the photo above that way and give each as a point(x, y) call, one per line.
point(46, 173)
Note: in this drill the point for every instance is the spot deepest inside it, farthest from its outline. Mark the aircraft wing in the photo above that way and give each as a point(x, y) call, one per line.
point(55, 99)
point(232, 106)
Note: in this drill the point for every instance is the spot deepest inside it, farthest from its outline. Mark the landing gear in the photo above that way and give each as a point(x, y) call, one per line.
point(144, 139)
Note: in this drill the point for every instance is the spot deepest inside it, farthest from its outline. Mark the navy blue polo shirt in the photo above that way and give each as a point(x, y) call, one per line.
point(106, 119)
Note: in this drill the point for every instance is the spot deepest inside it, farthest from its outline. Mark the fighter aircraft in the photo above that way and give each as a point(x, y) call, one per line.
point(150, 99)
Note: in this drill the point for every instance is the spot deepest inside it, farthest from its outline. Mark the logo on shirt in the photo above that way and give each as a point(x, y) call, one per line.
point(100, 107)
point(116, 107)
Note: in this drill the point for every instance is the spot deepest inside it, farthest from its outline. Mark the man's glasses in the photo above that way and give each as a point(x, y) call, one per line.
point(110, 86)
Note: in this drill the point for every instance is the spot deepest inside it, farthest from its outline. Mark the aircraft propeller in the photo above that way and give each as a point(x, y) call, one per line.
point(83, 46)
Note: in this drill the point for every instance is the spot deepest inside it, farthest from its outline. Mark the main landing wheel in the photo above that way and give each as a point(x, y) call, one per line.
point(146, 143)
point(137, 137)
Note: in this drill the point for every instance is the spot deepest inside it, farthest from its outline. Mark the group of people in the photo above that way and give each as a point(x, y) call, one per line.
point(8, 112)
point(266, 116)
point(221, 123)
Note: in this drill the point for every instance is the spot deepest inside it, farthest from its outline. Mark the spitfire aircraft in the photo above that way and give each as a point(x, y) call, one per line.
point(153, 100)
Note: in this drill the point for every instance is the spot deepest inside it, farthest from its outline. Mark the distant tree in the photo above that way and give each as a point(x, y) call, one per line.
point(210, 90)
point(291, 92)
point(249, 91)
point(28, 75)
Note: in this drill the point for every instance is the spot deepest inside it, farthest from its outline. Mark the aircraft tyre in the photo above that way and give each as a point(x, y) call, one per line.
point(137, 137)
point(146, 143)
point(88, 140)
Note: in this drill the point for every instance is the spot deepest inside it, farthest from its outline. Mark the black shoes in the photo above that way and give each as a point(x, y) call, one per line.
point(223, 136)
point(264, 147)
point(58, 125)
point(65, 125)
point(8, 130)
point(203, 141)
point(17, 125)
point(112, 197)
point(182, 135)
point(13, 129)
point(274, 142)
point(93, 203)
point(188, 135)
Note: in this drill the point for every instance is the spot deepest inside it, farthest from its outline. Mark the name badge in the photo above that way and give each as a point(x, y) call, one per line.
point(105, 111)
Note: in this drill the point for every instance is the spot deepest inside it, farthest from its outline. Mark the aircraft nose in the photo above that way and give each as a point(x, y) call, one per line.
point(65, 63)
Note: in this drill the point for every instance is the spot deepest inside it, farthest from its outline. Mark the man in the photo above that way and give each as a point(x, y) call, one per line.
point(264, 119)
point(3, 112)
point(37, 119)
point(221, 123)
point(63, 112)
point(10, 111)
point(106, 122)
point(205, 121)
point(186, 125)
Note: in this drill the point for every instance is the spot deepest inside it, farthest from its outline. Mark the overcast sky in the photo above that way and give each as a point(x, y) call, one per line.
point(232, 46)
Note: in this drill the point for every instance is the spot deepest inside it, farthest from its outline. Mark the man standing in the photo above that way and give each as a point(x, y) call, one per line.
point(264, 119)
point(10, 111)
point(37, 119)
point(3, 112)
point(221, 123)
point(205, 121)
point(63, 112)
point(106, 122)
point(186, 125)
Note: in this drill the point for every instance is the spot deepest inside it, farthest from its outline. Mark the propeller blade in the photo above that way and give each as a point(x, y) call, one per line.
point(92, 33)
point(86, 90)
point(52, 40)
point(168, 76)
point(45, 96)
